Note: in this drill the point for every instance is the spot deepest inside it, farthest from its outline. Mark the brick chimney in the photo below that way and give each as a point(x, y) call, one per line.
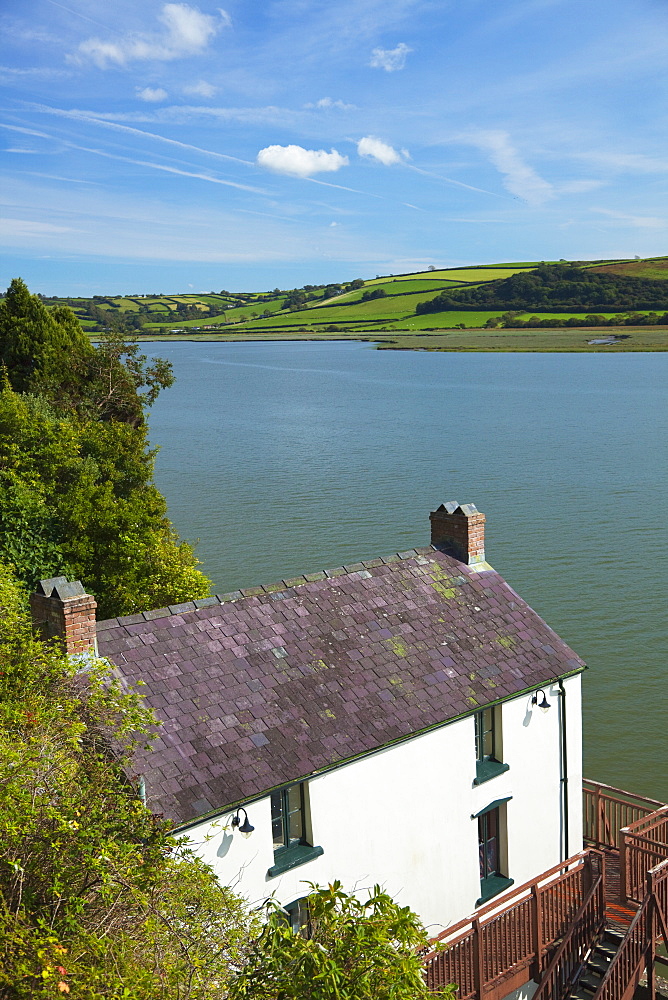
point(459, 531)
point(64, 610)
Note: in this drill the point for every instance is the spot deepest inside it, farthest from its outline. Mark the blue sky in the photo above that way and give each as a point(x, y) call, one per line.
point(165, 147)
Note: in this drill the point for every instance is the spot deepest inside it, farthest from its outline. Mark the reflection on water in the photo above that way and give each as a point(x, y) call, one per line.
point(282, 458)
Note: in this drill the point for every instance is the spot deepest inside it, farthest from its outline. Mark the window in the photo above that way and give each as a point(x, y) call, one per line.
point(488, 843)
point(289, 827)
point(298, 916)
point(491, 826)
point(488, 750)
point(287, 817)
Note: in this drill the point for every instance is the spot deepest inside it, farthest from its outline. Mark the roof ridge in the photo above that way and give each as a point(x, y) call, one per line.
point(268, 589)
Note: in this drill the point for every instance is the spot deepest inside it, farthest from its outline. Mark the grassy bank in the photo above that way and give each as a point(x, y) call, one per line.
point(545, 340)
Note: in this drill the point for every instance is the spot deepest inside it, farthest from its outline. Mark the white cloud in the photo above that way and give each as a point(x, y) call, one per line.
point(639, 221)
point(151, 94)
point(326, 103)
point(518, 177)
point(27, 227)
point(626, 162)
point(200, 89)
point(295, 161)
point(390, 59)
point(378, 150)
point(186, 31)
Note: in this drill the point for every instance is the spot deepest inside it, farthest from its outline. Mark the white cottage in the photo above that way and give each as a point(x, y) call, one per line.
point(405, 720)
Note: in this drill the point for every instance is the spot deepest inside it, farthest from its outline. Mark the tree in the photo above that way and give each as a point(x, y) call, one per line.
point(45, 352)
point(39, 347)
point(76, 497)
point(296, 299)
point(76, 490)
point(115, 375)
point(97, 899)
point(350, 950)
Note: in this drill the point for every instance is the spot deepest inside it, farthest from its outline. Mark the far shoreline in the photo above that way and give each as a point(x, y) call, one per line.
point(571, 340)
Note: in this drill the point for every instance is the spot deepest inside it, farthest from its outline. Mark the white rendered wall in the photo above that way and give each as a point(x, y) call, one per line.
point(403, 816)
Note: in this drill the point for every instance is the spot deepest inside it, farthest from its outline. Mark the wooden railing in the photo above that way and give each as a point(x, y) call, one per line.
point(644, 845)
point(607, 810)
point(509, 941)
point(545, 929)
point(568, 961)
point(637, 949)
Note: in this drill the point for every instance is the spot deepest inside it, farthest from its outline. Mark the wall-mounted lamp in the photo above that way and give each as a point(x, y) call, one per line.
point(244, 828)
point(544, 705)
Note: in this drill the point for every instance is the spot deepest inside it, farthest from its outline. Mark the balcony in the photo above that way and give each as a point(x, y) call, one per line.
point(586, 930)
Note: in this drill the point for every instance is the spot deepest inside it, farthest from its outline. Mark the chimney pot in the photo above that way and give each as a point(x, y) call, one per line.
point(459, 531)
point(62, 609)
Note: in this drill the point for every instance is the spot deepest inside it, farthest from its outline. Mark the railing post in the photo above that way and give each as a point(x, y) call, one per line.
point(624, 874)
point(537, 918)
point(651, 934)
point(597, 815)
point(478, 966)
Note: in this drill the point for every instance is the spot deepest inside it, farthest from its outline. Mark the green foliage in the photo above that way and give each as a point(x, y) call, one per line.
point(76, 497)
point(560, 286)
point(76, 490)
point(116, 374)
point(353, 950)
point(97, 900)
point(513, 321)
point(39, 346)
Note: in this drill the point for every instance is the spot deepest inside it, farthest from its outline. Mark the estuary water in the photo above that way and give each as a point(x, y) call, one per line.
point(283, 458)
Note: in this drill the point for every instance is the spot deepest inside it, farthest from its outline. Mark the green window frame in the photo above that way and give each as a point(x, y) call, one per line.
point(289, 829)
point(298, 916)
point(487, 745)
point(287, 818)
point(491, 827)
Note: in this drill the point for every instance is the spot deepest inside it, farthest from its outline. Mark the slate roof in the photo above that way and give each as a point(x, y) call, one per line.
point(270, 685)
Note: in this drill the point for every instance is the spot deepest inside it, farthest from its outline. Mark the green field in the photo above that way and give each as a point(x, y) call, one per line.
point(238, 316)
point(656, 268)
point(460, 274)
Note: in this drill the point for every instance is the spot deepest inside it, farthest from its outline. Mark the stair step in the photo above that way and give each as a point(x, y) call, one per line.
point(606, 949)
point(579, 994)
point(590, 981)
point(614, 936)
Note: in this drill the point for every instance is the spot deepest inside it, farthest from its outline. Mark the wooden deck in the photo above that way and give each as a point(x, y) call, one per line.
point(546, 929)
point(618, 914)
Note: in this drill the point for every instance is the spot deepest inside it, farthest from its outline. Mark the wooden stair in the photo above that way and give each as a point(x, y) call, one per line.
point(597, 964)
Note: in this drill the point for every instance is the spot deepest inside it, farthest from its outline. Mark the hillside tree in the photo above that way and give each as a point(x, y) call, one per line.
point(97, 899)
point(76, 474)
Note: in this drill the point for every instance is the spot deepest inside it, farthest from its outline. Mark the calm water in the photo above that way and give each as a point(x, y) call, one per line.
point(286, 458)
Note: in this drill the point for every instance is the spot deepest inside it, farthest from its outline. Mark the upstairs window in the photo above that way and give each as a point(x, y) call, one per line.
point(287, 817)
point(488, 748)
point(290, 828)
